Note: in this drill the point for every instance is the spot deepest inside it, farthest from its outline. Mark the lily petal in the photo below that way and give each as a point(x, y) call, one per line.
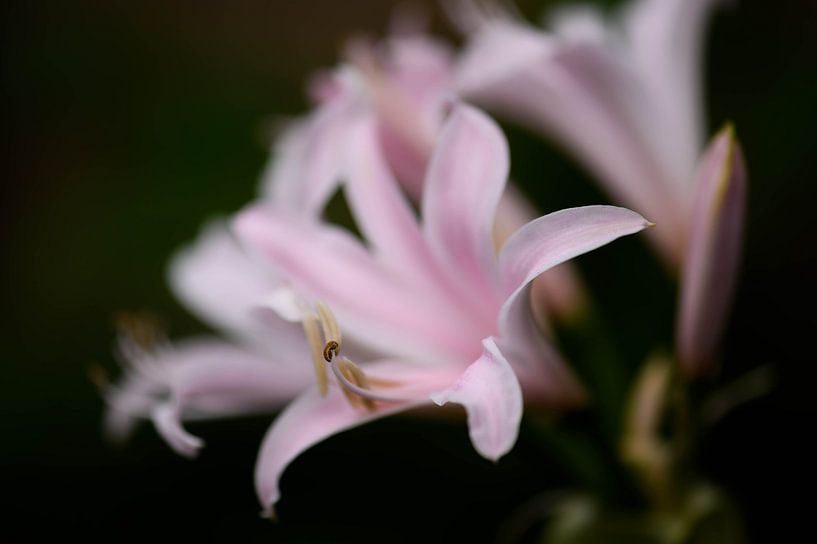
point(201, 379)
point(305, 165)
point(465, 181)
point(219, 282)
point(375, 305)
point(590, 99)
point(381, 211)
point(492, 397)
point(538, 246)
point(558, 292)
point(545, 376)
point(666, 42)
point(497, 51)
point(388, 223)
point(309, 419)
point(713, 256)
point(560, 236)
point(407, 80)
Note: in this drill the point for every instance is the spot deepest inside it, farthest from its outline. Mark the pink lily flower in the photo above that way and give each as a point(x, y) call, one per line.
point(625, 97)
point(450, 319)
point(404, 87)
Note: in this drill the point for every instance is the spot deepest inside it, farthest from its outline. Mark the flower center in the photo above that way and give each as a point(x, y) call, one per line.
point(324, 338)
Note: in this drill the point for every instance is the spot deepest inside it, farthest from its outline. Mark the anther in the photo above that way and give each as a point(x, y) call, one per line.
point(330, 351)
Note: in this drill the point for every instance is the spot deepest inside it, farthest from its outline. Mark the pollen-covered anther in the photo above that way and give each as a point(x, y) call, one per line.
point(330, 351)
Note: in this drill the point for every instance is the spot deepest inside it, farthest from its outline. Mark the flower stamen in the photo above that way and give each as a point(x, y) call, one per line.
point(331, 330)
point(354, 381)
point(330, 351)
point(313, 337)
point(356, 386)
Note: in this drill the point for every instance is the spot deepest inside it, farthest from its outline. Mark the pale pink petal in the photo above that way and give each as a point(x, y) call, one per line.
point(388, 223)
point(711, 266)
point(587, 98)
point(560, 236)
point(374, 305)
point(407, 160)
point(666, 39)
point(381, 212)
point(217, 280)
point(558, 292)
point(465, 181)
point(492, 397)
point(419, 64)
point(420, 67)
point(220, 283)
point(497, 52)
point(543, 373)
point(201, 379)
point(535, 248)
point(309, 419)
point(407, 103)
point(305, 166)
point(580, 23)
point(166, 417)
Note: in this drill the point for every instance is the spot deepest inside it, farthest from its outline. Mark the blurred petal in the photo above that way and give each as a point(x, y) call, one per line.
point(166, 418)
point(498, 51)
point(305, 166)
point(492, 397)
point(409, 91)
point(589, 98)
point(713, 256)
point(309, 419)
point(381, 211)
point(375, 306)
point(219, 282)
point(465, 181)
point(580, 23)
point(666, 45)
point(543, 373)
point(202, 379)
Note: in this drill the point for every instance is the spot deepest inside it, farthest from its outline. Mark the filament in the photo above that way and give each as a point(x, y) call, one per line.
point(331, 330)
point(324, 338)
point(313, 337)
point(352, 379)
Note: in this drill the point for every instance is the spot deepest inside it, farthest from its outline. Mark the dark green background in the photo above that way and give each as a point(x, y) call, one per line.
point(130, 123)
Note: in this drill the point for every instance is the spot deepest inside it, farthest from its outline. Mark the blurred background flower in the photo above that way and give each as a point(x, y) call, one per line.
point(131, 123)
